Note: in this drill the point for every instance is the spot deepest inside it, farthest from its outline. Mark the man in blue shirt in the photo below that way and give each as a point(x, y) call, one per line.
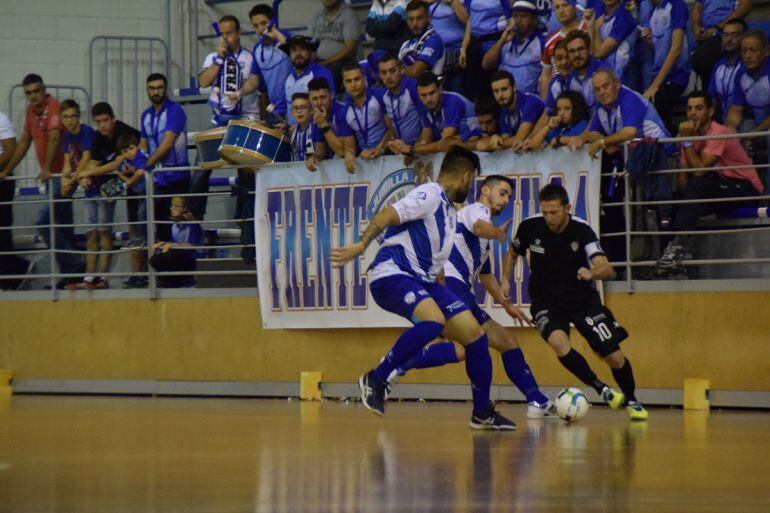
point(487, 136)
point(583, 65)
point(164, 138)
point(722, 81)
point(425, 51)
point(301, 51)
point(614, 35)
point(709, 18)
point(519, 111)
point(325, 115)
point(402, 111)
point(486, 22)
point(448, 20)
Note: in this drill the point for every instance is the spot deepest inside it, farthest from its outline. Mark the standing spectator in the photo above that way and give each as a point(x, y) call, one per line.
point(722, 82)
point(519, 111)
point(486, 21)
point(338, 30)
point(303, 145)
point(164, 137)
point(614, 35)
point(301, 50)
point(132, 171)
point(566, 126)
point(42, 125)
point(671, 67)
point(171, 254)
point(520, 48)
point(386, 23)
point(566, 14)
point(486, 137)
point(709, 18)
point(560, 79)
point(402, 112)
point(425, 50)
point(722, 183)
point(583, 64)
point(361, 121)
point(448, 18)
point(9, 264)
point(77, 148)
point(639, 70)
point(325, 109)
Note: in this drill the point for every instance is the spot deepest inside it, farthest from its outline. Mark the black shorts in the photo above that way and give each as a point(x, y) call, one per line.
point(595, 322)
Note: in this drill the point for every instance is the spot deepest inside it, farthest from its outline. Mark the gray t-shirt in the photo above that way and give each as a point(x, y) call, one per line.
point(333, 33)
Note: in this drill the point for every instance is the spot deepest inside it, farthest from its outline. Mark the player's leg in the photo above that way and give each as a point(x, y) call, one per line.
point(434, 355)
point(517, 370)
point(624, 377)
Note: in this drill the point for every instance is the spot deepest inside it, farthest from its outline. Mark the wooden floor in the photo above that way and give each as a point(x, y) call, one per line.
point(107, 454)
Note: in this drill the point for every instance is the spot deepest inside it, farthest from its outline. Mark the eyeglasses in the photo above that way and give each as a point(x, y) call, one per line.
point(37, 90)
point(573, 51)
point(68, 117)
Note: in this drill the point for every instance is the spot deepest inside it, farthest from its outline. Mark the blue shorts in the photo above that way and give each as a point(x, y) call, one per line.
point(400, 295)
point(465, 293)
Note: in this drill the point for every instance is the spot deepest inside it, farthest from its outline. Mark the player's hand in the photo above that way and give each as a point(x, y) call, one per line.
point(343, 255)
point(585, 274)
point(350, 162)
point(504, 230)
point(516, 313)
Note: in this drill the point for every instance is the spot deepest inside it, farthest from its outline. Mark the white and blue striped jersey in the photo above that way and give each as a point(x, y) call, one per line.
point(470, 252)
point(420, 244)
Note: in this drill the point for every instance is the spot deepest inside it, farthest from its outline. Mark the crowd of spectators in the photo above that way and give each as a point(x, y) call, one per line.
point(486, 74)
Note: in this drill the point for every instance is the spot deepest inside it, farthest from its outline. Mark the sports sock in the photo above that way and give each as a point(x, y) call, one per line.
point(435, 355)
point(577, 365)
point(409, 343)
point(520, 375)
point(478, 365)
point(624, 376)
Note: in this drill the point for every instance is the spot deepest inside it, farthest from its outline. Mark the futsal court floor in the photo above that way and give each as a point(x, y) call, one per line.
point(135, 454)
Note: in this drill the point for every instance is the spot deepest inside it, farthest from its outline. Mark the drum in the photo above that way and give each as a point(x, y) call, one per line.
point(250, 143)
point(207, 143)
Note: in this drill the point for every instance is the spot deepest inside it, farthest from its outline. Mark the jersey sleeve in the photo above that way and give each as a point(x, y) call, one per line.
point(343, 128)
point(421, 202)
point(208, 61)
point(472, 213)
point(454, 112)
point(679, 15)
point(520, 241)
point(177, 120)
point(623, 26)
point(432, 51)
point(590, 242)
point(632, 112)
point(532, 110)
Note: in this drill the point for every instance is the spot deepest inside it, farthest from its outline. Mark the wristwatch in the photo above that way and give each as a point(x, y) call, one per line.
point(601, 141)
point(411, 151)
point(325, 129)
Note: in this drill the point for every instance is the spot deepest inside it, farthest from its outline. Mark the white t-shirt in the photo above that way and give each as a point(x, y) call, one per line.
point(6, 129)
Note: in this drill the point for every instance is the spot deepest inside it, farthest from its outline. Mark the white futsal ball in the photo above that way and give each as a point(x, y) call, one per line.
point(572, 404)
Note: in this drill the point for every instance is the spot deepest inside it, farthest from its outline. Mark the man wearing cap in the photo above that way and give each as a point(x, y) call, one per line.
point(301, 50)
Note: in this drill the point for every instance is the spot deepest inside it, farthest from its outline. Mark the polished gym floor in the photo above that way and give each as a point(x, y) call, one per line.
point(116, 454)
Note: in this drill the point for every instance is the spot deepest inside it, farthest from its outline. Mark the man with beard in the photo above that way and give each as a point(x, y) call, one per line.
point(164, 139)
point(301, 50)
point(419, 238)
point(325, 116)
point(519, 111)
point(722, 81)
point(401, 100)
point(583, 64)
point(486, 137)
point(425, 51)
point(566, 13)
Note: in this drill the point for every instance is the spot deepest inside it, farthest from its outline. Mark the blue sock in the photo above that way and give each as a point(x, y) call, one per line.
point(408, 344)
point(478, 365)
point(435, 355)
point(519, 373)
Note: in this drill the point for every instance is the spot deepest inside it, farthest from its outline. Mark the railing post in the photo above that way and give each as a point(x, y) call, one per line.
point(627, 215)
point(52, 239)
point(152, 285)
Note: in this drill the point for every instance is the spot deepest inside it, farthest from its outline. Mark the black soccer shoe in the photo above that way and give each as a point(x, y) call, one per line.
point(491, 420)
point(373, 393)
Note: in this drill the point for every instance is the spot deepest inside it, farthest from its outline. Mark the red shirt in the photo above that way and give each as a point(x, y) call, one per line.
point(38, 125)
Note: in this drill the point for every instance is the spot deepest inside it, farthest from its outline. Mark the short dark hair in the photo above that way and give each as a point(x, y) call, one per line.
point(69, 104)
point(427, 78)
point(486, 105)
point(577, 34)
point(317, 84)
point(300, 96)
point(501, 74)
point(152, 77)
point(100, 108)
point(387, 57)
point(707, 98)
point(560, 44)
point(263, 9)
point(737, 21)
point(350, 66)
point(580, 110)
point(554, 191)
point(32, 79)
point(756, 34)
point(458, 161)
point(125, 140)
point(491, 180)
point(416, 4)
point(232, 19)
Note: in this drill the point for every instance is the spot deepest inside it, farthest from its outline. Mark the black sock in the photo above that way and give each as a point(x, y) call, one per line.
point(577, 365)
point(624, 376)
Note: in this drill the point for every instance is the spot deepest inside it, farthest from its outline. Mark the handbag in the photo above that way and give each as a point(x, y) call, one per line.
point(111, 187)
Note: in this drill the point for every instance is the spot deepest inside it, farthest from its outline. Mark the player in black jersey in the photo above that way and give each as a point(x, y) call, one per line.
point(560, 247)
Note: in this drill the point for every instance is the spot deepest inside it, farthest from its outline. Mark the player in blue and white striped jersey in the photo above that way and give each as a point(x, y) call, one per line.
point(468, 260)
point(419, 232)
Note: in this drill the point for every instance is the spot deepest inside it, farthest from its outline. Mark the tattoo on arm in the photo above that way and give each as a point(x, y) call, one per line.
point(371, 232)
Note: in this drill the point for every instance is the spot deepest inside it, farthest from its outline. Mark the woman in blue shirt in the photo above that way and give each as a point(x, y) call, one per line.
point(570, 120)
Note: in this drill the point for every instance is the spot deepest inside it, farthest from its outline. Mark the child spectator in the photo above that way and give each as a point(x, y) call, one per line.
point(303, 145)
point(131, 171)
point(172, 256)
point(569, 122)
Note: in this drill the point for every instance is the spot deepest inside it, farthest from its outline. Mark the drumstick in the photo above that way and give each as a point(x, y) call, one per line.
point(270, 110)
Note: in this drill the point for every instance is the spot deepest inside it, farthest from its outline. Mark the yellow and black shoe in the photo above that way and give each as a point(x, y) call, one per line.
point(636, 411)
point(614, 398)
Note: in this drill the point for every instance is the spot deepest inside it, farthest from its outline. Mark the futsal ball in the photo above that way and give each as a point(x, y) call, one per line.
point(572, 404)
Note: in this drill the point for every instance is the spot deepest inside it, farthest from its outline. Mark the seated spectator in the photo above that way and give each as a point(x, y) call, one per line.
point(100, 213)
point(726, 183)
point(583, 65)
point(519, 111)
point(132, 170)
point(325, 109)
point(486, 21)
point(566, 14)
point(302, 49)
point(338, 30)
point(613, 35)
point(671, 65)
point(709, 18)
point(170, 255)
point(303, 142)
point(722, 81)
point(487, 136)
point(565, 127)
point(520, 48)
point(752, 84)
point(386, 23)
point(425, 50)
point(560, 79)
point(402, 111)
point(448, 19)
point(361, 121)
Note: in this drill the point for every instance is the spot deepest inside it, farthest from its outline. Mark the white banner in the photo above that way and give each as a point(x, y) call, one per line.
point(300, 215)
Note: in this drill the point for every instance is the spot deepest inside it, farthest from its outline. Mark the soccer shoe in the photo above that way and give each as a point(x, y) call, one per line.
point(673, 256)
point(372, 393)
point(614, 398)
point(491, 420)
point(667, 273)
point(636, 411)
point(546, 410)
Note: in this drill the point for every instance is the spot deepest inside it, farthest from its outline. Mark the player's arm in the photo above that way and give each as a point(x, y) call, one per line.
point(386, 217)
point(18, 154)
point(487, 230)
point(600, 270)
point(509, 264)
point(448, 137)
point(495, 290)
